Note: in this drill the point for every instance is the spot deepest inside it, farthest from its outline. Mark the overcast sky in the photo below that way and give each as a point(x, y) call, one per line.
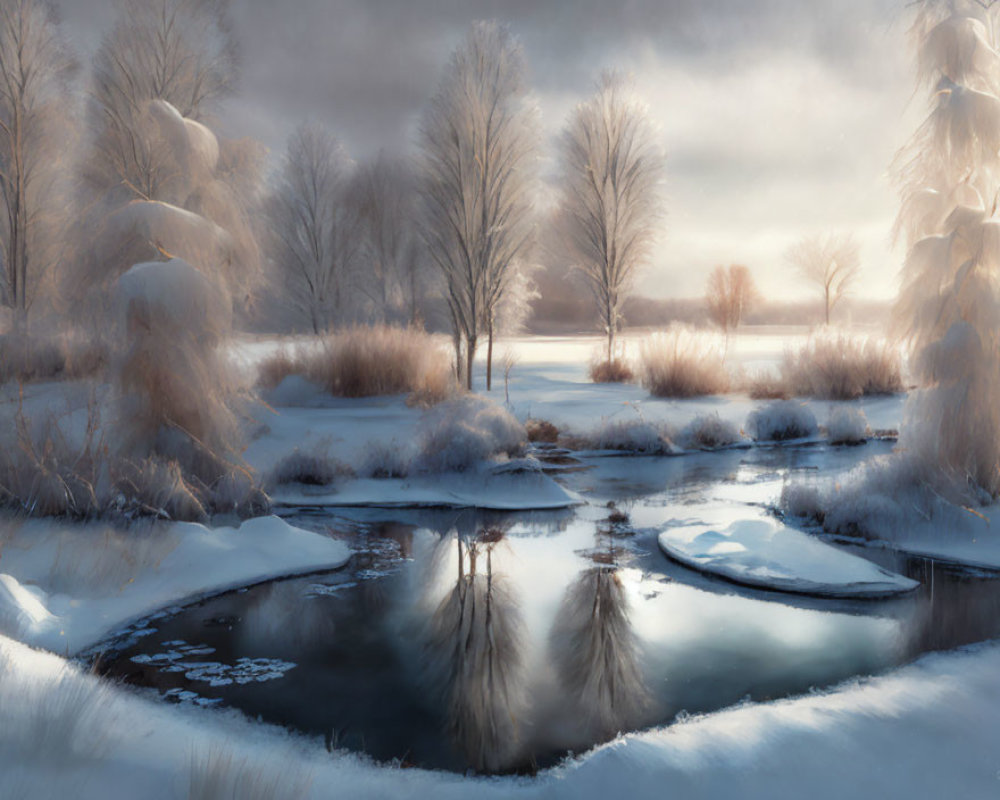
point(779, 117)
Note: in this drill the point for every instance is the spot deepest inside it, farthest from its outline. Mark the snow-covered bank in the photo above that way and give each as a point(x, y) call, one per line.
point(68, 586)
point(927, 730)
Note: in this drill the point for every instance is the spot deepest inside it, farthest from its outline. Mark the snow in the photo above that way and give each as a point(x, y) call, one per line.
point(514, 485)
point(927, 730)
point(760, 551)
point(85, 583)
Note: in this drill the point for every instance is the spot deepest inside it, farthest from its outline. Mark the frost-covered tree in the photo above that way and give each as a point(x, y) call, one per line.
point(949, 302)
point(478, 140)
point(179, 51)
point(729, 294)
point(829, 261)
point(314, 234)
point(391, 268)
point(612, 166)
point(35, 69)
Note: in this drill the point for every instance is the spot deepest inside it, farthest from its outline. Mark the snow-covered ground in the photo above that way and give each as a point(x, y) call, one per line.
point(927, 730)
point(64, 586)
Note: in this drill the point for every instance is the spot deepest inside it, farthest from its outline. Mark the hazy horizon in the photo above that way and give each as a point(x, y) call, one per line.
point(778, 119)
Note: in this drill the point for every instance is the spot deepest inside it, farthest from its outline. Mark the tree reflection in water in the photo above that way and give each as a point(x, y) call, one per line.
point(474, 655)
point(595, 651)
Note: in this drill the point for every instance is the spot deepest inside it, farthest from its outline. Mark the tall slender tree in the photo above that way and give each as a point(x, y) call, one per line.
point(313, 231)
point(35, 68)
point(479, 141)
point(949, 302)
point(611, 204)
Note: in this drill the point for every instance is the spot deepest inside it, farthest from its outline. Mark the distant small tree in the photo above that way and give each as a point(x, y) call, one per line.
point(611, 171)
point(313, 232)
point(35, 67)
point(829, 261)
point(729, 295)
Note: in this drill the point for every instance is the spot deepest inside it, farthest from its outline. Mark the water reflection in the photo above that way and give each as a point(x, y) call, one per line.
point(596, 652)
point(474, 656)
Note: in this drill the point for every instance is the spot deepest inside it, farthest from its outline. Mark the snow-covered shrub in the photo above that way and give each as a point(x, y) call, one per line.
point(366, 361)
point(681, 362)
point(631, 436)
point(781, 421)
point(385, 460)
point(616, 371)
point(177, 394)
point(315, 468)
point(461, 433)
point(540, 430)
point(841, 367)
point(217, 774)
point(847, 426)
point(709, 432)
point(802, 500)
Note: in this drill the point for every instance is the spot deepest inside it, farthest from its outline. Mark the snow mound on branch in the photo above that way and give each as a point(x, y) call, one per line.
point(174, 291)
point(781, 421)
point(194, 147)
point(137, 232)
point(762, 552)
point(21, 613)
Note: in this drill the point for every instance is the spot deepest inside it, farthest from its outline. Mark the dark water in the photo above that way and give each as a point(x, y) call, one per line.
point(500, 642)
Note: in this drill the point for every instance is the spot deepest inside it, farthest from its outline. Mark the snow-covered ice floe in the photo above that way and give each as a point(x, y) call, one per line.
point(762, 552)
point(188, 562)
point(513, 486)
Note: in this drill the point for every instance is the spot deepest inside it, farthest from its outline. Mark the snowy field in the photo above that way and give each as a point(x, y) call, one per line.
point(921, 730)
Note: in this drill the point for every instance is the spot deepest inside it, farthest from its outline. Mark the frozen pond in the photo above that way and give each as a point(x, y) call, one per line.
point(501, 642)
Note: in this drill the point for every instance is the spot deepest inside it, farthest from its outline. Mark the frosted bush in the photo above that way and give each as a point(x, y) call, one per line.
point(847, 426)
point(709, 432)
point(461, 433)
point(841, 367)
point(385, 460)
point(314, 468)
point(802, 500)
point(682, 362)
point(781, 421)
point(633, 436)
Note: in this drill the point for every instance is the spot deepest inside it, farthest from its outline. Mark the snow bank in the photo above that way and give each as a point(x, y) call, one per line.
point(22, 614)
point(927, 730)
point(88, 596)
point(765, 553)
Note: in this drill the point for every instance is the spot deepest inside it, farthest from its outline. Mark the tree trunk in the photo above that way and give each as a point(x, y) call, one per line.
point(470, 355)
point(489, 357)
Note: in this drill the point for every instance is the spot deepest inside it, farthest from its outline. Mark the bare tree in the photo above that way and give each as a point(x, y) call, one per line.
point(729, 294)
point(478, 142)
point(830, 261)
point(611, 171)
point(385, 192)
point(180, 51)
point(313, 236)
point(35, 67)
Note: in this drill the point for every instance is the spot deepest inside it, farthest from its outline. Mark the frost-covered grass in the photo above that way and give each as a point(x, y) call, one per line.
point(781, 421)
point(219, 774)
point(628, 436)
point(835, 366)
point(43, 357)
point(682, 362)
point(368, 361)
